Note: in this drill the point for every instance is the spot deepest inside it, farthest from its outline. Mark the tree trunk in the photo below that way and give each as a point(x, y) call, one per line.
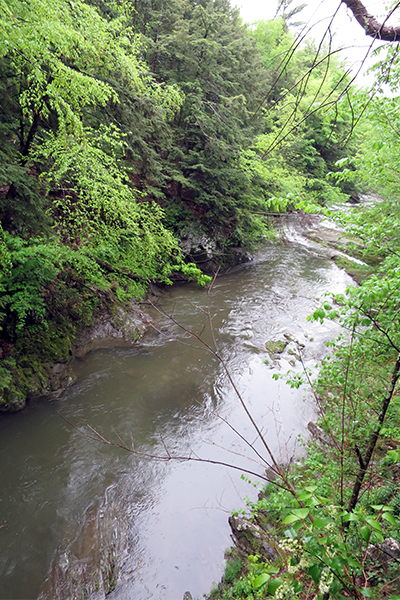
point(364, 462)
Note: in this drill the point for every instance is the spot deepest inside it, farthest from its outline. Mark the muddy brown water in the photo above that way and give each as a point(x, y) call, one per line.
point(73, 510)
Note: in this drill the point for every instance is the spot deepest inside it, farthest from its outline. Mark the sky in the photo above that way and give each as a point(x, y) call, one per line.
point(348, 34)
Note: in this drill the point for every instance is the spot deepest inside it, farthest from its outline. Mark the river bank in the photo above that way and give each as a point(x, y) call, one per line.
point(283, 545)
point(46, 371)
point(43, 368)
point(161, 393)
point(328, 525)
point(123, 327)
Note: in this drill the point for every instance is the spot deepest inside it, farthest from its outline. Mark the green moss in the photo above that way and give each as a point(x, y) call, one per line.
point(35, 350)
point(12, 399)
point(232, 569)
point(276, 346)
point(358, 272)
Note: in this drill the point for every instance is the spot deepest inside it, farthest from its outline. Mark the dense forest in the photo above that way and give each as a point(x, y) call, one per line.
point(143, 140)
point(137, 140)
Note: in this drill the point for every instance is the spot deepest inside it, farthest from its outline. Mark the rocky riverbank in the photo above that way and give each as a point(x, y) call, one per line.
point(125, 327)
point(346, 251)
point(42, 368)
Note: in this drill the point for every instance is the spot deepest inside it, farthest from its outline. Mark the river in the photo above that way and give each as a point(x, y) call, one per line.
point(69, 503)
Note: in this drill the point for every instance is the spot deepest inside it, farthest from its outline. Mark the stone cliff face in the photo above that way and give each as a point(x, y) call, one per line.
point(207, 252)
point(124, 328)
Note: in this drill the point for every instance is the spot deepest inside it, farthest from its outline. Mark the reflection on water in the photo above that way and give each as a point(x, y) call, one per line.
point(166, 520)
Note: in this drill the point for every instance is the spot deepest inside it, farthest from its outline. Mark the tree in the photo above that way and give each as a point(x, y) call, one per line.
point(76, 231)
point(204, 49)
point(371, 25)
point(287, 12)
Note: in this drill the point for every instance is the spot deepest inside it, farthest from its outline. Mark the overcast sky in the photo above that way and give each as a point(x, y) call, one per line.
point(348, 34)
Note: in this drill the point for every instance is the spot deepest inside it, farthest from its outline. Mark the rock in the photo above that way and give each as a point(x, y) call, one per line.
point(253, 349)
point(88, 565)
point(124, 328)
point(10, 401)
point(293, 353)
point(275, 347)
point(210, 253)
point(58, 378)
point(187, 596)
point(385, 552)
point(319, 434)
point(250, 538)
point(289, 337)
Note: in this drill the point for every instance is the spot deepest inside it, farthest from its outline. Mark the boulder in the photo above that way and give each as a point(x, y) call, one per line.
point(275, 347)
point(385, 552)
point(319, 434)
point(250, 538)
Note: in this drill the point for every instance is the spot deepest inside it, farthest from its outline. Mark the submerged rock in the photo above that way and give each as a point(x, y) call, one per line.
point(89, 565)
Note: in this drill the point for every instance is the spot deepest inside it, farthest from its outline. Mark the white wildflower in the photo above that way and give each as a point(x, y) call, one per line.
point(292, 569)
point(291, 546)
point(284, 591)
point(304, 562)
point(325, 582)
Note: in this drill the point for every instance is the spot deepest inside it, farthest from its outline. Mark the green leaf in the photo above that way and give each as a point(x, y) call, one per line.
point(381, 507)
point(394, 455)
point(338, 562)
point(365, 533)
point(374, 524)
point(291, 519)
point(290, 533)
point(367, 592)
point(389, 517)
point(315, 572)
point(273, 585)
point(302, 513)
point(304, 496)
point(346, 517)
point(353, 517)
point(272, 569)
point(335, 587)
point(353, 562)
point(320, 523)
point(378, 536)
point(261, 580)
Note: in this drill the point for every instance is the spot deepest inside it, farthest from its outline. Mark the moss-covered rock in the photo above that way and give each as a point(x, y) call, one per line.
point(41, 365)
point(275, 347)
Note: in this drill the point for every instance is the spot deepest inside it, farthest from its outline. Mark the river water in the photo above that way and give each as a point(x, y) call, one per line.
point(67, 500)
